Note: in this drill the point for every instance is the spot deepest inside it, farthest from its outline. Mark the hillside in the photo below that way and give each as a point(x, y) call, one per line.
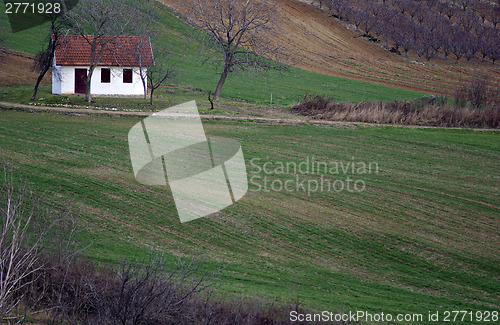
point(188, 58)
point(314, 42)
point(422, 237)
point(340, 217)
point(319, 43)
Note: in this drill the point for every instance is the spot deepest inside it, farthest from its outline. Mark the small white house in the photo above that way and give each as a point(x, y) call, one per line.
point(117, 73)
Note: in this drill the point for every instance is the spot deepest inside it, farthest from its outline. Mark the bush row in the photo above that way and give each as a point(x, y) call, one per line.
point(428, 112)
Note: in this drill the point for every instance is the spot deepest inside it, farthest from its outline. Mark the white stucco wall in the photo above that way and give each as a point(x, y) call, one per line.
point(56, 80)
point(65, 84)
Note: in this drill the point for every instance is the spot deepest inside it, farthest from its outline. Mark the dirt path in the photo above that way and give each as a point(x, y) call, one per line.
point(291, 118)
point(104, 112)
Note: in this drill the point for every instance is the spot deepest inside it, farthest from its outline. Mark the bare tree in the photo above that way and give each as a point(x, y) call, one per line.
point(320, 3)
point(481, 9)
point(29, 225)
point(387, 16)
point(421, 14)
point(457, 43)
point(100, 23)
point(141, 56)
point(147, 35)
point(494, 54)
point(401, 5)
point(375, 9)
point(412, 8)
point(331, 5)
point(483, 43)
point(337, 7)
point(368, 21)
point(424, 45)
point(434, 21)
point(160, 72)
point(242, 31)
point(441, 7)
point(17, 262)
point(152, 292)
point(472, 46)
point(478, 89)
point(398, 39)
point(468, 20)
point(494, 15)
point(466, 4)
point(45, 58)
point(355, 16)
point(408, 44)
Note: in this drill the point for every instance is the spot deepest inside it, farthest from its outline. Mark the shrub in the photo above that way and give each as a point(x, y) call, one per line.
point(432, 111)
point(142, 292)
point(30, 226)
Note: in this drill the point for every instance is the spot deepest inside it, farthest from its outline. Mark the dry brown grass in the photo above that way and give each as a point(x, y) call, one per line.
point(429, 112)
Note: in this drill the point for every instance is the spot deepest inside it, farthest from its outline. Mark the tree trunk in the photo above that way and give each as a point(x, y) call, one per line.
point(222, 80)
point(38, 81)
point(151, 95)
point(47, 63)
point(210, 100)
point(144, 83)
point(88, 94)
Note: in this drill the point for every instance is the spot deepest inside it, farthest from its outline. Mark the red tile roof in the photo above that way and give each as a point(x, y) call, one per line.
point(119, 51)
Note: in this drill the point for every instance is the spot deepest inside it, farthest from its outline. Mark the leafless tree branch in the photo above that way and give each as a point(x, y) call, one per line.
point(241, 31)
point(30, 225)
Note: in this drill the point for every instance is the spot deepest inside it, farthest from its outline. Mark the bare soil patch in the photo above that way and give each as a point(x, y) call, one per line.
point(15, 68)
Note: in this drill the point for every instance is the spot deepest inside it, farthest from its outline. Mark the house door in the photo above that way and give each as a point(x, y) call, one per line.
point(80, 80)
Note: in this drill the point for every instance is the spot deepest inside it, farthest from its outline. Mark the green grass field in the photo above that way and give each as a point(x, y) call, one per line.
point(187, 55)
point(422, 236)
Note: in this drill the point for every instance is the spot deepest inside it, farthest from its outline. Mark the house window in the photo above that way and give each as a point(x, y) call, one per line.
point(127, 76)
point(105, 76)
